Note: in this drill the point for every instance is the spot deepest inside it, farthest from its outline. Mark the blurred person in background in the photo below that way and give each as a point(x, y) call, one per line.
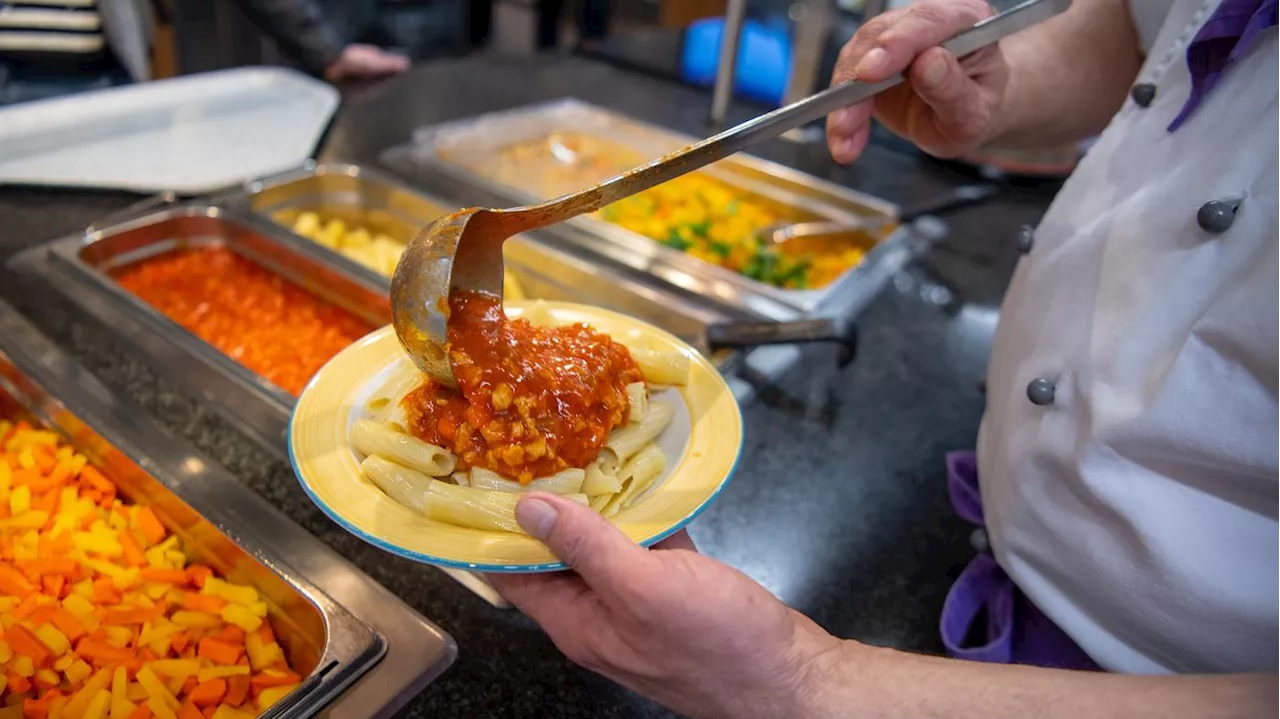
point(50, 48)
point(592, 19)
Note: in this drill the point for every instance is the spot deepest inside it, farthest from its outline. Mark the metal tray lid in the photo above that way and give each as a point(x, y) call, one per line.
point(190, 135)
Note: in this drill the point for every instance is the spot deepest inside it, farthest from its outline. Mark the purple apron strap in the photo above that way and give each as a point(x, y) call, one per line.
point(982, 585)
point(1017, 631)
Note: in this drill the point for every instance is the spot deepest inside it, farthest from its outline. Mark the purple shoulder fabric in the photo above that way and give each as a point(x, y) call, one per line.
point(1229, 33)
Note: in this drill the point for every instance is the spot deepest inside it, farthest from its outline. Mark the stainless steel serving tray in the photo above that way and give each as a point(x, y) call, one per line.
point(806, 196)
point(363, 197)
point(341, 630)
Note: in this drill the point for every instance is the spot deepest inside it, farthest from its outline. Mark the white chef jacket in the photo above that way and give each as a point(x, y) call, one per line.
point(1138, 509)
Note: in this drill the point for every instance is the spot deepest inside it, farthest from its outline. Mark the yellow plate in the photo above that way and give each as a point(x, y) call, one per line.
point(702, 445)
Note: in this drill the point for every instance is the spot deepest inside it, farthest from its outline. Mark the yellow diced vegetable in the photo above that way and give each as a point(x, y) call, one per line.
point(235, 593)
point(20, 500)
point(119, 693)
point(219, 672)
point(272, 695)
point(175, 667)
point(23, 666)
point(241, 617)
point(222, 712)
point(77, 671)
point(99, 704)
point(54, 639)
point(195, 620)
point(160, 709)
point(155, 688)
point(6, 652)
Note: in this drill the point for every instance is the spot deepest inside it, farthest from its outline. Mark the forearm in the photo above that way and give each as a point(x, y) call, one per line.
point(1067, 76)
point(869, 682)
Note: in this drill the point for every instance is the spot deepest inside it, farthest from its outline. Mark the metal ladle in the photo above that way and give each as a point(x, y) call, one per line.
point(463, 250)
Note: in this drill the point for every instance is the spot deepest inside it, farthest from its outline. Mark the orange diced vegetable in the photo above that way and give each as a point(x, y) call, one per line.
point(237, 689)
point(132, 552)
point(133, 615)
point(219, 652)
point(13, 583)
point(208, 693)
point(189, 711)
point(99, 650)
point(25, 643)
point(271, 678)
point(142, 712)
point(149, 524)
point(67, 623)
point(167, 576)
point(198, 573)
point(207, 603)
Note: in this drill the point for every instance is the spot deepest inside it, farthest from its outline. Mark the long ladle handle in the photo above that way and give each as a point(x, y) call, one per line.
point(772, 124)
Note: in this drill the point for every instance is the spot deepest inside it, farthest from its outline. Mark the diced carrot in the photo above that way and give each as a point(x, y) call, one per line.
point(12, 582)
point(189, 711)
point(265, 634)
point(189, 684)
point(28, 605)
point(231, 634)
point(19, 684)
point(53, 585)
point(33, 709)
point(198, 573)
point(133, 615)
point(142, 712)
point(25, 478)
point(46, 502)
point(209, 711)
point(149, 524)
point(42, 614)
point(207, 603)
point(132, 552)
point(45, 461)
point(237, 689)
point(208, 693)
point(219, 652)
point(94, 478)
point(67, 623)
point(61, 566)
point(147, 655)
point(274, 679)
point(179, 641)
point(24, 642)
point(166, 576)
point(104, 590)
point(100, 651)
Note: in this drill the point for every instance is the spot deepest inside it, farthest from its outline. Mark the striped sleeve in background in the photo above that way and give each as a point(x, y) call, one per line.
point(50, 29)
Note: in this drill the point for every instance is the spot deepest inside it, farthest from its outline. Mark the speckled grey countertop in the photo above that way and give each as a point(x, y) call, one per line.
point(839, 507)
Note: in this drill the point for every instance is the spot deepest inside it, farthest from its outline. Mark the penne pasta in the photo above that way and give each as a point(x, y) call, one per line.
point(406, 486)
point(567, 481)
point(630, 439)
point(462, 479)
point(661, 367)
point(600, 502)
point(636, 476)
point(638, 397)
point(371, 438)
point(402, 382)
point(476, 508)
point(602, 475)
point(539, 314)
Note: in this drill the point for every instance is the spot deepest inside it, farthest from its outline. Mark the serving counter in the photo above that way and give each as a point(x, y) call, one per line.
point(839, 505)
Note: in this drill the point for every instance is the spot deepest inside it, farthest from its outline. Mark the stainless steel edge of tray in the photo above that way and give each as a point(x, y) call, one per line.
point(257, 407)
point(376, 652)
point(370, 199)
point(752, 175)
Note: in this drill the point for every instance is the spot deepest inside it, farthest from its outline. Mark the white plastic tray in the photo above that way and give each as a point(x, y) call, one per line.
point(191, 135)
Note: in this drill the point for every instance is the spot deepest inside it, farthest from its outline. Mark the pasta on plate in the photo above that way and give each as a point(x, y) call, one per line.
point(538, 407)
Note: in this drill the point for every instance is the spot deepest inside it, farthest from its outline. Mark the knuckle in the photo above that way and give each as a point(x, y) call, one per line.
point(873, 28)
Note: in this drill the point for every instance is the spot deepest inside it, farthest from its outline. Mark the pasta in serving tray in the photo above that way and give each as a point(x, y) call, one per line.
point(363, 455)
point(430, 478)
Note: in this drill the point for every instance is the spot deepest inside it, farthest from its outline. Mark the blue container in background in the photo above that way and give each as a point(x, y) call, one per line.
point(764, 58)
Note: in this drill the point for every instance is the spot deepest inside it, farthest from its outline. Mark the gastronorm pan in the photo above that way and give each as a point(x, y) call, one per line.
point(336, 630)
point(456, 157)
point(365, 198)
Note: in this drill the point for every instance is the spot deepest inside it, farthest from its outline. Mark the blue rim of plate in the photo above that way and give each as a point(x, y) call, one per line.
point(499, 568)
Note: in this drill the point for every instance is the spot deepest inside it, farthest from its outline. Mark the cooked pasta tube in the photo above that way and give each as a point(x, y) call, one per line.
point(602, 475)
point(462, 479)
point(638, 398)
point(476, 508)
point(628, 440)
point(401, 383)
point(661, 367)
point(568, 481)
point(636, 475)
point(406, 486)
point(372, 438)
point(539, 314)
